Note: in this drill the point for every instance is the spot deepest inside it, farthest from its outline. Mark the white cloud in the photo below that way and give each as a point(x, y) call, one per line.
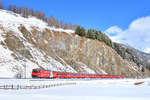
point(137, 35)
point(113, 29)
point(114, 32)
point(147, 50)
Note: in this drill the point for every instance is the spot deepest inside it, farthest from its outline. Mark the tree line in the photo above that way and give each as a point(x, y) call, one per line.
point(26, 12)
point(93, 34)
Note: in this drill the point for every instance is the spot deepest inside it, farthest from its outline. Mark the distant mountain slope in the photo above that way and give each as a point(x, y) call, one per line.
point(27, 43)
point(131, 54)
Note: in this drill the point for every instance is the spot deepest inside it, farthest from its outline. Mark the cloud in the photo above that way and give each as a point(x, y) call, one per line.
point(137, 35)
point(114, 32)
point(147, 50)
point(113, 29)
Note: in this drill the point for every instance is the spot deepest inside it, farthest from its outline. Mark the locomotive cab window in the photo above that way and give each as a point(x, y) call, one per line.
point(36, 71)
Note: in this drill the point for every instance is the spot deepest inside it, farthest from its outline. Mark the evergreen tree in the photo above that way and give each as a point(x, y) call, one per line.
point(80, 31)
point(91, 34)
point(106, 40)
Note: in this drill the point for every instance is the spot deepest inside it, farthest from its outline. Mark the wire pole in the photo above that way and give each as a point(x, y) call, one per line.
point(24, 65)
point(25, 68)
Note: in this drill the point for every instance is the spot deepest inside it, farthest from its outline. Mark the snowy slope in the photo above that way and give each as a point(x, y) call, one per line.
point(27, 43)
point(10, 21)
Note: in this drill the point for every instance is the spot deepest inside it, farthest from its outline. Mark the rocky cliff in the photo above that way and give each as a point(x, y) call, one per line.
point(27, 43)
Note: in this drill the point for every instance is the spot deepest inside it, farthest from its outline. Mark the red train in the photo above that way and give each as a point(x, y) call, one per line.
point(38, 73)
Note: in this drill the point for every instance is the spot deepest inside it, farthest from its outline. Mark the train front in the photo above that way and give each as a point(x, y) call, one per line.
point(38, 73)
point(35, 73)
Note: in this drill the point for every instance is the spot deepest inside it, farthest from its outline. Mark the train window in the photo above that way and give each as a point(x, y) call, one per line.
point(76, 74)
point(61, 74)
point(36, 71)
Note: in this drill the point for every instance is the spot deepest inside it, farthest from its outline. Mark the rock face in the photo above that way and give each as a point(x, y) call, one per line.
point(25, 47)
point(87, 56)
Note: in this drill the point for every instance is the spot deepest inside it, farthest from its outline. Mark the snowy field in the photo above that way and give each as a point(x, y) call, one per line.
point(104, 89)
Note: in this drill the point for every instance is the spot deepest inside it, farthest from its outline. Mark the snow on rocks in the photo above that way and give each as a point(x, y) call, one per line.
point(11, 21)
point(85, 68)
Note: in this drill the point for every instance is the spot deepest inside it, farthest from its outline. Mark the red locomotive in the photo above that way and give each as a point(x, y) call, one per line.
point(38, 73)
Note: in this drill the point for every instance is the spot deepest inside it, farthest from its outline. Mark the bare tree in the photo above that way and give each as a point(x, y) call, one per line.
point(51, 21)
point(32, 12)
point(38, 14)
point(70, 26)
point(14, 9)
point(43, 16)
point(18, 10)
point(25, 12)
point(1, 5)
point(9, 7)
point(57, 25)
point(75, 26)
point(61, 24)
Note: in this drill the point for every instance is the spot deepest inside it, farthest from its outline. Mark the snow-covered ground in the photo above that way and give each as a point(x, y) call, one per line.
point(104, 89)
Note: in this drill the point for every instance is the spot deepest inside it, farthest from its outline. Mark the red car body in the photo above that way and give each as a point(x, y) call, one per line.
point(38, 73)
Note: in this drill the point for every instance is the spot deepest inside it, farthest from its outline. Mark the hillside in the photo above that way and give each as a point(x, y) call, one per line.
point(27, 43)
point(131, 54)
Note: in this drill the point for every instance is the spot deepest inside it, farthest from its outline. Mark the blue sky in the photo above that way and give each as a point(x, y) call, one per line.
point(125, 21)
point(97, 14)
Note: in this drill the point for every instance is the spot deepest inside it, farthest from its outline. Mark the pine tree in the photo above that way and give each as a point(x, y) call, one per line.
point(80, 31)
point(91, 34)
